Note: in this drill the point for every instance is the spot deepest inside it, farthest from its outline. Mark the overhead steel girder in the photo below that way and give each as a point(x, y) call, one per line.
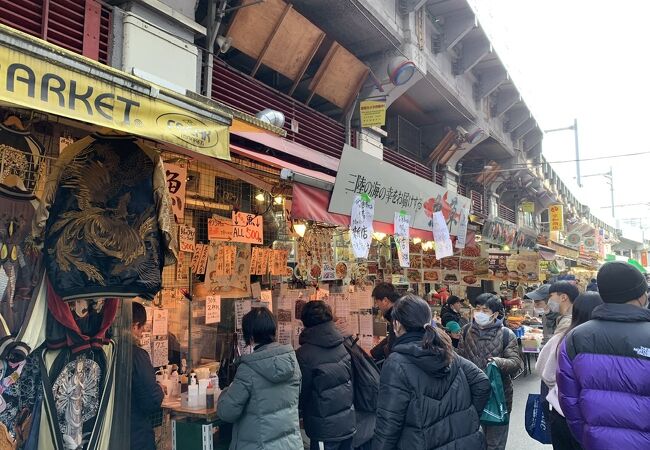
point(533, 138)
point(524, 129)
point(490, 80)
point(456, 28)
point(473, 53)
point(505, 100)
point(515, 119)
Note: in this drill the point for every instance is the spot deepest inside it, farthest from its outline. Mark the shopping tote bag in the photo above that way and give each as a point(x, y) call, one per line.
point(536, 425)
point(496, 409)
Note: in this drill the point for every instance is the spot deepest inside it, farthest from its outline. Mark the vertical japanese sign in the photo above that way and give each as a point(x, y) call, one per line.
point(200, 259)
point(462, 228)
point(444, 247)
point(176, 174)
point(401, 234)
point(187, 238)
point(363, 211)
point(213, 309)
point(556, 217)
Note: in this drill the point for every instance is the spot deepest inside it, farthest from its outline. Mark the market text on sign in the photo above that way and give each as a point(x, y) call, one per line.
point(376, 190)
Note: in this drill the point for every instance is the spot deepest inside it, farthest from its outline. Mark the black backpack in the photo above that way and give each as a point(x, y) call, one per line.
point(365, 376)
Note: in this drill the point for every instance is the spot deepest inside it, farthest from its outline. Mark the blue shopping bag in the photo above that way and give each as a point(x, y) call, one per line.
point(536, 425)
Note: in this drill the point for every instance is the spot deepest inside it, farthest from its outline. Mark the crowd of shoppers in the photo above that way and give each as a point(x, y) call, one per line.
point(431, 395)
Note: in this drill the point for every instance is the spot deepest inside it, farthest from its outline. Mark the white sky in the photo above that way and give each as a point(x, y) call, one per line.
point(584, 59)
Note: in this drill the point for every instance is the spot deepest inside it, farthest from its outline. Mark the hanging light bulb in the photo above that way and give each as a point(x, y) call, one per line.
point(378, 235)
point(278, 200)
point(260, 197)
point(417, 240)
point(506, 248)
point(300, 229)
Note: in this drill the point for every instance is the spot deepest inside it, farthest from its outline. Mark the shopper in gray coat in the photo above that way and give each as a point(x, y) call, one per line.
point(262, 401)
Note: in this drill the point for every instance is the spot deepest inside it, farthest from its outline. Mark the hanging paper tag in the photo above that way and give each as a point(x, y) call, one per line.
point(361, 229)
point(462, 228)
point(444, 247)
point(401, 234)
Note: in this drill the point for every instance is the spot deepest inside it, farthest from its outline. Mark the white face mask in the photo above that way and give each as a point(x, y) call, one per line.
point(482, 318)
point(538, 311)
point(553, 306)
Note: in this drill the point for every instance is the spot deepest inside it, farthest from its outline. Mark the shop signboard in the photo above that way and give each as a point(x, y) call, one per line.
point(373, 113)
point(498, 265)
point(556, 217)
point(393, 189)
point(31, 81)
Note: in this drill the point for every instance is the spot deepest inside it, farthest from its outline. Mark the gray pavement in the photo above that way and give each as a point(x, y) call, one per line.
point(518, 438)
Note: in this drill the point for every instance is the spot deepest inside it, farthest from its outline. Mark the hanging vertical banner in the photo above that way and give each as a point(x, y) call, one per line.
point(401, 234)
point(556, 217)
point(200, 259)
point(363, 211)
point(213, 309)
point(462, 228)
point(444, 247)
point(176, 174)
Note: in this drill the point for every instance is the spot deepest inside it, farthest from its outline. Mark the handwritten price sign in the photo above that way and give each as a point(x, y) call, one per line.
point(213, 309)
point(187, 238)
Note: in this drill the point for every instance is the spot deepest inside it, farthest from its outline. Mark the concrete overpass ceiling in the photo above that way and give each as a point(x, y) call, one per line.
point(447, 7)
point(489, 149)
point(428, 99)
point(362, 34)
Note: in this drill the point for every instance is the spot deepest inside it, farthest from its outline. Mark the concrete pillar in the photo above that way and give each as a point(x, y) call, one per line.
point(370, 141)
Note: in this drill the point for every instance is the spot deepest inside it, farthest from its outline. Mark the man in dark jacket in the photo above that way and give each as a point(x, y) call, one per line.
point(327, 395)
point(604, 364)
point(483, 341)
point(384, 296)
point(451, 312)
point(146, 394)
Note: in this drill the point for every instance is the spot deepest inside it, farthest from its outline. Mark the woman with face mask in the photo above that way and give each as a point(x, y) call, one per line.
point(485, 340)
point(429, 397)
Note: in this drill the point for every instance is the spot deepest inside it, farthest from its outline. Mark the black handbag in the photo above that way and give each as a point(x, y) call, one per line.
point(229, 362)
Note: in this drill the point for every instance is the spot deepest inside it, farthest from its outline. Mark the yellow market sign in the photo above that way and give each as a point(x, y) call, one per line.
point(528, 207)
point(31, 82)
point(556, 217)
point(373, 114)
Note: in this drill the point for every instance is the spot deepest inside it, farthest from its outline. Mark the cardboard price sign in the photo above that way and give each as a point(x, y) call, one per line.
point(213, 309)
point(187, 238)
point(247, 228)
point(219, 229)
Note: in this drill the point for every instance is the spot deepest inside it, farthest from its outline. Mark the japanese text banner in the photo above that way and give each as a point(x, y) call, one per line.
point(393, 189)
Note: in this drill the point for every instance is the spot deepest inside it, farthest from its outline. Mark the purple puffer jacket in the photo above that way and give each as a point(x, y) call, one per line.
point(603, 379)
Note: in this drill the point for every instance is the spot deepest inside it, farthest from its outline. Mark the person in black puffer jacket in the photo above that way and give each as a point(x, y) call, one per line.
point(429, 397)
point(327, 395)
point(451, 312)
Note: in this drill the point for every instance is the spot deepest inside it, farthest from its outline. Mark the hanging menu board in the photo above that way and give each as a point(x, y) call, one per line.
point(247, 228)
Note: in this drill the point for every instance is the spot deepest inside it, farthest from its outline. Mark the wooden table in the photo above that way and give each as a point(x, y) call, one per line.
point(175, 409)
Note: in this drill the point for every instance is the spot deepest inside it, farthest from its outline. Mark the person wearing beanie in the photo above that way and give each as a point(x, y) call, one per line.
point(603, 366)
point(562, 294)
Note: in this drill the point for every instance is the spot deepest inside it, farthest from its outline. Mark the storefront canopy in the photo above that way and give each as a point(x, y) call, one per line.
point(43, 77)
